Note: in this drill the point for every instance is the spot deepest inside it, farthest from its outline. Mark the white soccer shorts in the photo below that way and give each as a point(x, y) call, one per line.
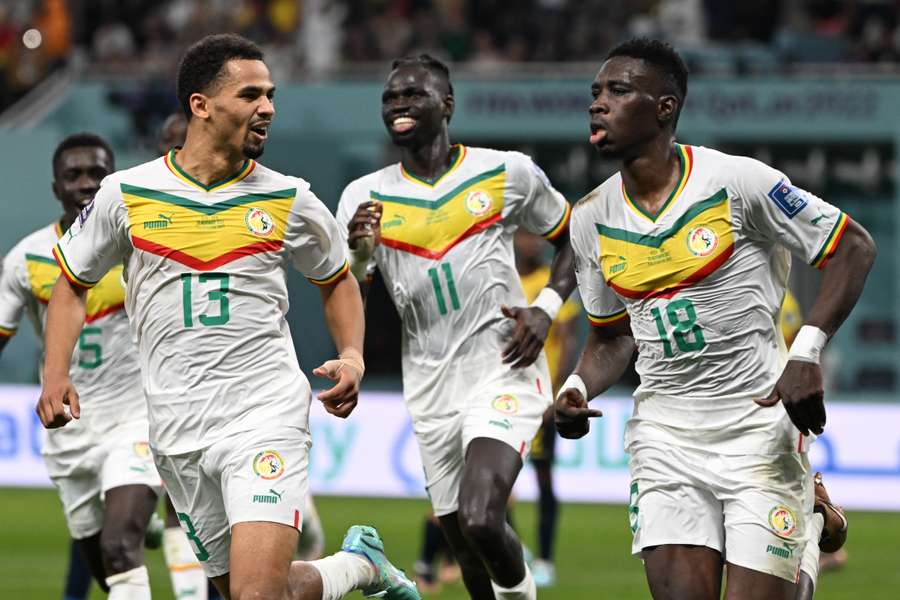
point(83, 476)
point(258, 475)
point(508, 409)
point(753, 509)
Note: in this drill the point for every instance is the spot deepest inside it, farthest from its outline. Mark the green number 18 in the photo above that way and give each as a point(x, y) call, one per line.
point(683, 318)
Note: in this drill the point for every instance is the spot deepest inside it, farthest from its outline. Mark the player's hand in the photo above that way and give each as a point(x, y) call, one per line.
point(55, 397)
point(532, 325)
point(341, 399)
point(366, 223)
point(572, 414)
point(801, 392)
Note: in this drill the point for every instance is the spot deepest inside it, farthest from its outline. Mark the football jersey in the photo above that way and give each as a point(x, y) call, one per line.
point(104, 366)
point(702, 282)
point(446, 256)
point(205, 272)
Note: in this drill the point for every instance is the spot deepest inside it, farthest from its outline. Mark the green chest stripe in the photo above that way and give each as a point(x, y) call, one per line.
point(436, 204)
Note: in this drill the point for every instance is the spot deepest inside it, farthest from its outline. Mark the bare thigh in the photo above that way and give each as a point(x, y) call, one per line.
point(747, 584)
point(680, 572)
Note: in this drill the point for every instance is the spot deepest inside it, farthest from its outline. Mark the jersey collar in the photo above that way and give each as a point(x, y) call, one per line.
point(460, 155)
point(181, 174)
point(686, 163)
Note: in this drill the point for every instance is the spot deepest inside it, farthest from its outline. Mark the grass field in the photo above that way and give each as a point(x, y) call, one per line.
point(592, 556)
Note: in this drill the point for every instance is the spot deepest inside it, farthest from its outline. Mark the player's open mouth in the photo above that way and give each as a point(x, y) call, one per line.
point(598, 134)
point(403, 124)
point(262, 130)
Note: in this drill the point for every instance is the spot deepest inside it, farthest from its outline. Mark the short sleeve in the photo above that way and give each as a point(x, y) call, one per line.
point(315, 244)
point(96, 241)
point(13, 293)
point(777, 211)
point(602, 305)
point(352, 196)
point(535, 203)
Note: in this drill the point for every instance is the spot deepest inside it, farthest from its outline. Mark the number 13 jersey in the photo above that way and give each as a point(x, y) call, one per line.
point(446, 255)
point(702, 282)
point(206, 293)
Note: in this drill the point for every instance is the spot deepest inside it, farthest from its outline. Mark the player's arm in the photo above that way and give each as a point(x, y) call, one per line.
point(605, 357)
point(13, 296)
point(344, 316)
point(65, 318)
point(800, 386)
point(567, 332)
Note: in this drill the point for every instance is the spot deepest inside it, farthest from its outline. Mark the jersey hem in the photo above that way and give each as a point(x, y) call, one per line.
point(68, 272)
point(333, 277)
point(561, 226)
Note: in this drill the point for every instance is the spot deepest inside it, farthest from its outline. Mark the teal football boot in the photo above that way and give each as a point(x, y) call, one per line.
point(390, 582)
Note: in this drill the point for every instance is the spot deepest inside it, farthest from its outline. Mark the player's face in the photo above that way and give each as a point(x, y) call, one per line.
point(77, 176)
point(623, 113)
point(414, 106)
point(242, 106)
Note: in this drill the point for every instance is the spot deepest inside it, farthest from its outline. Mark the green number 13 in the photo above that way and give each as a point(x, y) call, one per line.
point(683, 318)
point(214, 295)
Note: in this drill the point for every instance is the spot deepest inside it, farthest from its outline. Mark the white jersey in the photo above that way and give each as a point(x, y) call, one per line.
point(446, 255)
point(702, 282)
point(104, 366)
point(206, 291)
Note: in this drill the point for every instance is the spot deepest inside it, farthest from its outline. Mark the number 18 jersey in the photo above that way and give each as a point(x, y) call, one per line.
point(702, 282)
point(446, 255)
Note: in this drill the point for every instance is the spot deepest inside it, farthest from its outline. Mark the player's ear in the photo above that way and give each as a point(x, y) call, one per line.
point(449, 106)
point(667, 108)
point(199, 104)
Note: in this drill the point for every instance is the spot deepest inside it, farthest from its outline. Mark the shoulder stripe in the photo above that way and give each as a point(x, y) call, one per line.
point(204, 209)
point(436, 204)
point(655, 241)
point(7, 332)
point(560, 226)
point(68, 272)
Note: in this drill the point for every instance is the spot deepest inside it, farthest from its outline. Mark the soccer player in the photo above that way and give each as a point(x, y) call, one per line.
point(685, 253)
point(206, 234)
point(561, 349)
point(441, 223)
point(101, 465)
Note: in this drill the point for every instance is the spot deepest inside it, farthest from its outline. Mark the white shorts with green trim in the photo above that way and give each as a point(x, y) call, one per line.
point(505, 409)
point(258, 475)
point(753, 509)
point(82, 476)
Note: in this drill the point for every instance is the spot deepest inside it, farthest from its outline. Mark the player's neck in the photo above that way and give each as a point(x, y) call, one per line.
point(651, 174)
point(431, 161)
point(65, 221)
point(206, 163)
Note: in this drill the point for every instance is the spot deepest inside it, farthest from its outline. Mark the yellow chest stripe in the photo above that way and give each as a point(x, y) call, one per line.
point(104, 298)
point(641, 265)
point(207, 236)
point(430, 228)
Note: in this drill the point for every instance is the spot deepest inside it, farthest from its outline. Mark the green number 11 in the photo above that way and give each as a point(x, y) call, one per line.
point(451, 288)
point(683, 318)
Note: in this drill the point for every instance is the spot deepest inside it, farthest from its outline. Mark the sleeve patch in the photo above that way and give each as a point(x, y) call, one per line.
point(789, 199)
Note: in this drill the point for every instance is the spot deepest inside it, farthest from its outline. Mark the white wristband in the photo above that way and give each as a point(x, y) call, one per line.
point(548, 301)
point(575, 382)
point(808, 344)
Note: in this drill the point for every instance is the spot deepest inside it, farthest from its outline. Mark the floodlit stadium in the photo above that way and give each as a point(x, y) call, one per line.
point(198, 227)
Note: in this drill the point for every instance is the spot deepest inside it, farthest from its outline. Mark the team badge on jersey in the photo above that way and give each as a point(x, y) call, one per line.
point(782, 520)
point(142, 450)
point(478, 203)
point(259, 222)
point(702, 241)
point(789, 199)
point(506, 404)
point(268, 464)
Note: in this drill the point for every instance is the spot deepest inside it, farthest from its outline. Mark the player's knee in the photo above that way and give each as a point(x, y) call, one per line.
point(257, 590)
point(120, 552)
point(480, 526)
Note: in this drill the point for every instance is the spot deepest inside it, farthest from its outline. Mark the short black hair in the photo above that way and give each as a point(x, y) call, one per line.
point(202, 63)
point(83, 139)
point(425, 61)
point(664, 58)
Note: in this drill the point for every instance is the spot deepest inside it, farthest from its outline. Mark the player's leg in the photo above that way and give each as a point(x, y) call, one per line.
point(488, 476)
point(185, 572)
point(548, 506)
point(312, 540)
point(78, 575)
point(681, 571)
point(474, 573)
point(828, 532)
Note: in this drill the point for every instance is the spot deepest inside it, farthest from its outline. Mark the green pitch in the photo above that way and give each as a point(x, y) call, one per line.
point(593, 559)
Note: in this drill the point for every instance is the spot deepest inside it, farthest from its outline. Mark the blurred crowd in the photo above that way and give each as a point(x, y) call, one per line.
point(316, 38)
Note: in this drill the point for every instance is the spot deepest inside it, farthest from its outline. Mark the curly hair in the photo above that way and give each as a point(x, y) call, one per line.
point(425, 61)
point(664, 58)
point(83, 139)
